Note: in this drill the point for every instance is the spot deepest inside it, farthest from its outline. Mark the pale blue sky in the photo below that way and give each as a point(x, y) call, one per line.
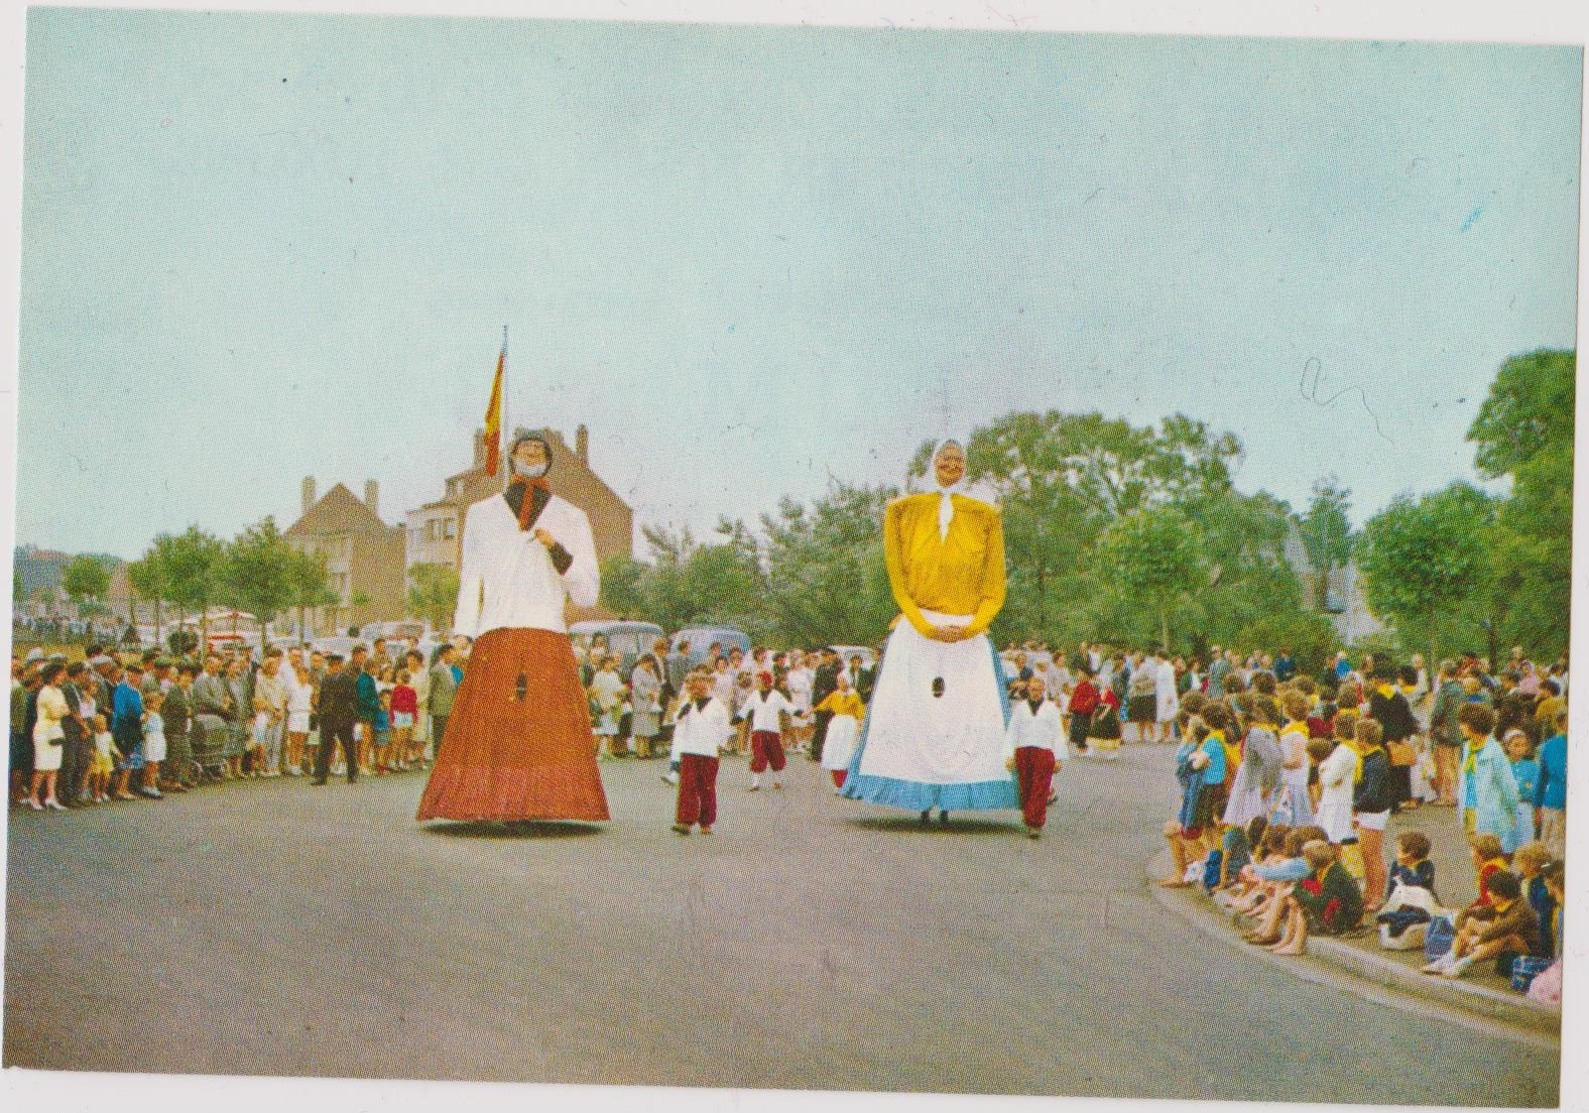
point(261, 247)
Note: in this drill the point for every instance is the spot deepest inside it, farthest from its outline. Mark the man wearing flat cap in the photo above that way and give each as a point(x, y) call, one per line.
point(518, 744)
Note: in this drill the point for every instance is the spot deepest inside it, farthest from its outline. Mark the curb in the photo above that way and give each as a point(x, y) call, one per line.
point(1377, 977)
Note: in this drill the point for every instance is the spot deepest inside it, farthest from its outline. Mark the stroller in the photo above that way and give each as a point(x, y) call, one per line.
point(212, 742)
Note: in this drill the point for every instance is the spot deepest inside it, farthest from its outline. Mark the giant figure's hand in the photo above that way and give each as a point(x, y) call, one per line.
point(544, 537)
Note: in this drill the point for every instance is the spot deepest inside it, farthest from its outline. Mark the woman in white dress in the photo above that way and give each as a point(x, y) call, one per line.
point(798, 681)
point(49, 739)
point(1169, 701)
point(606, 689)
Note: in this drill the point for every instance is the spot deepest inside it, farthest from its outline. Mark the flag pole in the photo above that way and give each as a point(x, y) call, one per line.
point(505, 433)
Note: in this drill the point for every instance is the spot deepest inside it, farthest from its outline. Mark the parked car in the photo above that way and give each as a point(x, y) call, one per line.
point(337, 644)
point(702, 637)
point(628, 639)
point(866, 653)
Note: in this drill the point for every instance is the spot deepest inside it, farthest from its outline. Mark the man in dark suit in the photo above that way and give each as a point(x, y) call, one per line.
point(823, 684)
point(443, 693)
point(77, 743)
point(339, 710)
point(866, 678)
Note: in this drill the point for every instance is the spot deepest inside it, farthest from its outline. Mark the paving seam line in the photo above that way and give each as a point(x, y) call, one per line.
point(1363, 977)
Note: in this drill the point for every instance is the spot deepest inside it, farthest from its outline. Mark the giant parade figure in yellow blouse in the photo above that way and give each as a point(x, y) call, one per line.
point(934, 734)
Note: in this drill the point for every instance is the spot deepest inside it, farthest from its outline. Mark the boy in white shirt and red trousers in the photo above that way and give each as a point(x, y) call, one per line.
point(766, 734)
point(700, 730)
point(1034, 747)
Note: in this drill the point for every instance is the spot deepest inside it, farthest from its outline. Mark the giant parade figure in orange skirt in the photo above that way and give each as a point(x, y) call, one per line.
point(519, 744)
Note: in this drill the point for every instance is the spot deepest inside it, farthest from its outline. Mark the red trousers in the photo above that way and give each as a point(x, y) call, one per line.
point(1034, 773)
point(697, 790)
point(766, 748)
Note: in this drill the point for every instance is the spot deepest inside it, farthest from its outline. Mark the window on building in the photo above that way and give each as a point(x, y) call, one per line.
point(430, 530)
point(449, 529)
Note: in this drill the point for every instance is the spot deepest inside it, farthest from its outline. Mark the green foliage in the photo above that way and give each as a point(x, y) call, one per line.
point(147, 575)
point(1249, 579)
point(689, 582)
point(17, 593)
point(826, 579)
point(86, 580)
point(257, 574)
point(1156, 556)
point(622, 586)
point(1326, 533)
point(193, 567)
point(1310, 635)
point(433, 593)
point(1529, 410)
point(1426, 564)
point(1525, 430)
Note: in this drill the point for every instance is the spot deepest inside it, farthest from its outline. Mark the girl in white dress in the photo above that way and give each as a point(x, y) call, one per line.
point(1336, 776)
point(843, 729)
point(154, 744)
point(300, 702)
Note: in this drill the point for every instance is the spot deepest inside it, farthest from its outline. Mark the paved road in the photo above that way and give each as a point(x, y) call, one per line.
point(812, 943)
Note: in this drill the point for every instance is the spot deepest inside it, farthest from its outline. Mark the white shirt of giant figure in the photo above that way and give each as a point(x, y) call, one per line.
point(507, 578)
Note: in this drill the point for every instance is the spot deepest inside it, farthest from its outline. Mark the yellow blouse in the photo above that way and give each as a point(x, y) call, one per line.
point(843, 703)
point(962, 574)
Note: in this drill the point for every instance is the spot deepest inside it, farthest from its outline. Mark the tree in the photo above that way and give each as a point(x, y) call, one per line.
point(85, 578)
point(827, 582)
point(1326, 534)
point(258, 572)
point(85, 581)
point(311, 585)
point(1061, 480)
point(1525, 430)
point(725, 582)
point(433, 593)
point(623, 586)
point(18, 593)
point(1425, 563)
point(147, 576)
point(193, 561)
point(1154, 555)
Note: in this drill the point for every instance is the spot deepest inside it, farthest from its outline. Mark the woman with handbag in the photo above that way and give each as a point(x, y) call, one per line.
point(49, 738)
point(1388, 707)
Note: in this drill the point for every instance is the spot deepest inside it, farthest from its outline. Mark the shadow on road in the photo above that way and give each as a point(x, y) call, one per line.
point(935, 827)
point(515, 829)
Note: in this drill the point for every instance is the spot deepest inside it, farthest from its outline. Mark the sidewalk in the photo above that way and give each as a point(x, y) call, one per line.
point(1481, 993)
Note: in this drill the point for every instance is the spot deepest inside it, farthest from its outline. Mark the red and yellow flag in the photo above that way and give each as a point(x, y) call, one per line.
point(494, 418)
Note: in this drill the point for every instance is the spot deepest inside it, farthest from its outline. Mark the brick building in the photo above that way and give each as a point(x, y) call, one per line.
point(435, 530)
point(363, 555)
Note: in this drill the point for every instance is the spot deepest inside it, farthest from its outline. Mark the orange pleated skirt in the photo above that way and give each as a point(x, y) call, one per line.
point(518, 744)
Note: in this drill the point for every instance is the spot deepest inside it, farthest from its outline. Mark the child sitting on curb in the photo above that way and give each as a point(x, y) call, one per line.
point(1327, 903)
point(1506, 926)
point(1277, 880)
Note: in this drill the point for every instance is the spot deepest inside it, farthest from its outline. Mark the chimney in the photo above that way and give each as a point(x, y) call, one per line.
point(371, 490)
point(582, 445)
point(308, 493)
point(479, 448)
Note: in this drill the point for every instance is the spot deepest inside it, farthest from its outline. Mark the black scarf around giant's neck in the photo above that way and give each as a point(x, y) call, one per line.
point(527, 511)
